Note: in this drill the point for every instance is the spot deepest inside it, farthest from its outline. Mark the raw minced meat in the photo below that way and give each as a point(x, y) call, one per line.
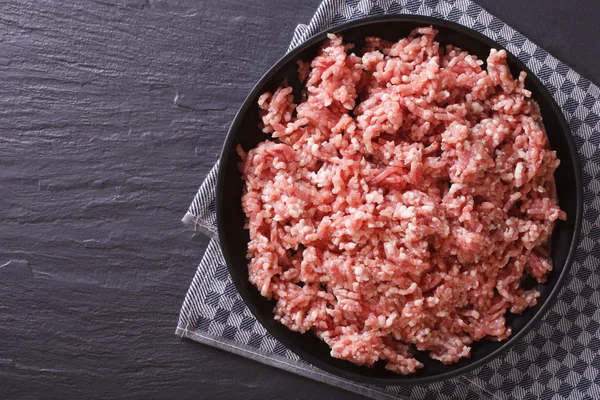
point(402, 202)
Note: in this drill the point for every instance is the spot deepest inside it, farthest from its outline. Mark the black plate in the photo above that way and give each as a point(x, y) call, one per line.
point(234, 238)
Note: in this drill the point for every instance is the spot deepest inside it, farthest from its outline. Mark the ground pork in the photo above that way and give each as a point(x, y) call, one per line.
point(402, 202)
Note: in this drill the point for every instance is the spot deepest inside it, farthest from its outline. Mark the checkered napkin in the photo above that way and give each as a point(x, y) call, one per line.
point(559, 360)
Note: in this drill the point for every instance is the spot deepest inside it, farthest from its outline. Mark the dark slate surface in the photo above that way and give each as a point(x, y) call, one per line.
point(111, 113)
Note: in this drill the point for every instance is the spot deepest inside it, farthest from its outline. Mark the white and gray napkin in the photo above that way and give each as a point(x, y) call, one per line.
point(558, 360)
